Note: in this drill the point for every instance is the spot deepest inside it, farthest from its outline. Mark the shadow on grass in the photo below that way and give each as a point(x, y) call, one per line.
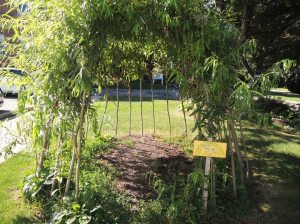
point(24, 220)
point(285, 94)
point(277, 175)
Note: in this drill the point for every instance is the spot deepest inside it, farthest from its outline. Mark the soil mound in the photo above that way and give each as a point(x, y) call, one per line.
point(137, 158)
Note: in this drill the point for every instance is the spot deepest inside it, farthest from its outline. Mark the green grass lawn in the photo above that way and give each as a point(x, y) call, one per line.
point(13, 208)
point(161, 117)
point(285, 94)
point(275, 163)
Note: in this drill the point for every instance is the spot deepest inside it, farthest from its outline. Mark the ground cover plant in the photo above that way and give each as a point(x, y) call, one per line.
point(70, 47)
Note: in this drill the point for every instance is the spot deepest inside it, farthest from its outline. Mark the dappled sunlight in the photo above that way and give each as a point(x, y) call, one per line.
point(275, 163)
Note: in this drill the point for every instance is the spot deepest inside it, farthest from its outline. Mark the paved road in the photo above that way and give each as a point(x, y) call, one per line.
point(10, 104)
point(146, 93)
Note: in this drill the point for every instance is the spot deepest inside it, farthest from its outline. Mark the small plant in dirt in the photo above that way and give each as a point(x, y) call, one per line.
point(178, 202)
point(98, 201)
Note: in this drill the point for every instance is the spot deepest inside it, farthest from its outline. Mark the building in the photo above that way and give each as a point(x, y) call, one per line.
point(4, 33)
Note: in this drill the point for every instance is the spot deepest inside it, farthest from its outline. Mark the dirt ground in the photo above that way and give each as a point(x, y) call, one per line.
point(138, 158)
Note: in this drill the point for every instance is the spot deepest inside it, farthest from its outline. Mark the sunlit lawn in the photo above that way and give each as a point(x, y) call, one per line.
point(13, 208)
point(161, 118)
point(285, 94)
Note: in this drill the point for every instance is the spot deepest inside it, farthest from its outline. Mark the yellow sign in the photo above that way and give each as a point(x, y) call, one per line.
point(210, 149)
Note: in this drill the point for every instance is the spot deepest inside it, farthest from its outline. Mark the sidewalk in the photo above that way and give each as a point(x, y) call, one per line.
point(8, 128)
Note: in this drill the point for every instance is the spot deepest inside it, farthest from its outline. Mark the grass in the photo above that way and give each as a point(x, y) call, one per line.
point(285, 94)
point(13, 208)
point(275, 162)
point(161, 117)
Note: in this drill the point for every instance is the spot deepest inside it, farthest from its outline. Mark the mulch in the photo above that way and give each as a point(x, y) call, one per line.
point(143, 156)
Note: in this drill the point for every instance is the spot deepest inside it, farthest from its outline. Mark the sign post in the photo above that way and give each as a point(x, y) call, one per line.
point(208, 149)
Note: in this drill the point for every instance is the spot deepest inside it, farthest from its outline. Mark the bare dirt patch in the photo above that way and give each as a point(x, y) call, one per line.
point(137, 156)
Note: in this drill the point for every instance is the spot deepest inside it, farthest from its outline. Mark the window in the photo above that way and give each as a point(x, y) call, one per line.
point(2, 52)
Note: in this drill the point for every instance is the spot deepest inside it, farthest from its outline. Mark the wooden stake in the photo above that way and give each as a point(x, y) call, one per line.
point(130, 107)
point(105, 109)
point(184, 116)
point(206, 182)
point(168, 110)
point(213, 186)
point(141, 102)
point(117, 113)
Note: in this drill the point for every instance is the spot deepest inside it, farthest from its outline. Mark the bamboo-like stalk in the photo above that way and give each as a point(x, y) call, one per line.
point(86, 125)
point(42, 156)
point(168, 109)
point(117, 113)
point(81, 136)
point(141, 102)
point(153, 107)
point(238, 151)
point(130, 106)
point(232, 163)
point(244, 148)
point(184, 116)
point(72, 163)
point(105, 108)
point(56, 168)
point(76, 149)
point(46, 146)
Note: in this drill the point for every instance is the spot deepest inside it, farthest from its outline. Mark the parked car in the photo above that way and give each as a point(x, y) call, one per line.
point(6, 77)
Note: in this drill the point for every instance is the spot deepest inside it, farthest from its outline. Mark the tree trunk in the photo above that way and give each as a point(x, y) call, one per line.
point(117, 113)
point(153, 111)
point(105, 109)
point(141, 102)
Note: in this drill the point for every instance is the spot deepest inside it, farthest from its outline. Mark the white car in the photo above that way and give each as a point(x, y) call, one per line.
point(7, 76)
point(158, 77)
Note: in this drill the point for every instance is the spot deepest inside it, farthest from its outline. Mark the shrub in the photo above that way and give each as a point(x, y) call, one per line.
point(271, 108)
